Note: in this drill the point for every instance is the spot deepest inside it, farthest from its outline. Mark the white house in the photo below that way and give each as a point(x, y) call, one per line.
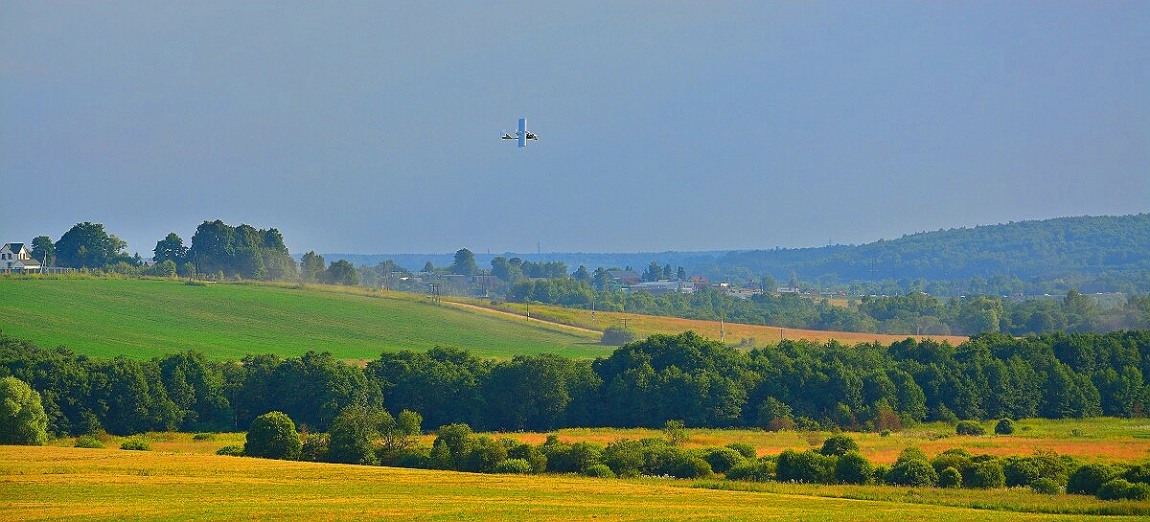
point(16, 257)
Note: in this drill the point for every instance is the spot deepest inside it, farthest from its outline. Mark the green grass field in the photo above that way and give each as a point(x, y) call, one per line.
point(54, 483)
point(146, 318)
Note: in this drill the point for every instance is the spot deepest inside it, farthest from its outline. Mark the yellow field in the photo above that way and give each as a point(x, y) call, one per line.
point(54, 483)
point(1107, 440)
point(730, 333)
point(1102, 440)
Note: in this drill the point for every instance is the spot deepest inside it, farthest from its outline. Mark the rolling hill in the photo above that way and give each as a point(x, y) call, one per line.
point(146, 318)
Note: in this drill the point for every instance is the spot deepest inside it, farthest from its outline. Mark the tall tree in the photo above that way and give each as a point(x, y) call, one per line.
point(44, 250)
point(170, 248)
point(464, 263)
point(87, 245)
point(311, 268)
point(342, 273)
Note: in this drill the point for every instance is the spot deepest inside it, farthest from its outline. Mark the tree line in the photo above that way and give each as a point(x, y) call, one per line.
point(914, 312)
point(795, 384)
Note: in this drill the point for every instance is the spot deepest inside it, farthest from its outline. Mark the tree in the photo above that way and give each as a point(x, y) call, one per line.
point(241, 251)
point(22, 417)
point(615, 335)
point(171, 248)
point(311, 268)
point(44, 250)
point(452, 444)
point(342, 273)
point(464, 263)
point(273, 436)
point(87, 245)
point(352, 434)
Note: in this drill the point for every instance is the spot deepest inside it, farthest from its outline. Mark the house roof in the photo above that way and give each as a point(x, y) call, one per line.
point(14, 247)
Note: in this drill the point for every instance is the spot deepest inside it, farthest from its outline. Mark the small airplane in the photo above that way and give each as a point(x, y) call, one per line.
point(522, 135)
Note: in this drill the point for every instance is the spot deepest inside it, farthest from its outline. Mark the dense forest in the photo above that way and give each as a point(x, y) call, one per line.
point(796, 384)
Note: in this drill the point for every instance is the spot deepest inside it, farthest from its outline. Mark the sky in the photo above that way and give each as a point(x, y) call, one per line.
point(373, 127)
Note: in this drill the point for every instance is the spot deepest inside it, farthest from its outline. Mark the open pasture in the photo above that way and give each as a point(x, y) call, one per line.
point(146, 318)
point(747, 335)
point(52, 483)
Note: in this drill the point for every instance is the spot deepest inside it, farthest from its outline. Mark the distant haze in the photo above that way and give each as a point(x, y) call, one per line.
point(687, 126)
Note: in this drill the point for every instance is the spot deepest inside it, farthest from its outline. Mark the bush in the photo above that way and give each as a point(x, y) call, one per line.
point(986, 475)
point(913, 472)
point(1004, 427)
point(745, 449)
point(805, 467)
point(136, 444)
point(234, 450)
point(599, 470)
point(1088, 478)
point(839, 445)
point(484, 454)
point(1139, 473)
point(950, 478)
point(691, 467)
point(204, 436)
point(531, 454)
point(273, 436)
point(1046, 486)
point(1020, 471)
point(909, 454)
point(414, 458)
point(722, 459)
point(89, 441)
point(761, 470)
point(513, 466)
point(1121, 489)
point(969, 428)
point(853, 468)
point(624, 457)
point(958, 459)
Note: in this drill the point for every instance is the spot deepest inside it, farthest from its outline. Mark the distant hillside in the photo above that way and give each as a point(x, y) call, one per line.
point(1092, 254)
point(1102, 251)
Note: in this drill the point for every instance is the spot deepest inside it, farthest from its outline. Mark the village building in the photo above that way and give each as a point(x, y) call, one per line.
point(17, 257)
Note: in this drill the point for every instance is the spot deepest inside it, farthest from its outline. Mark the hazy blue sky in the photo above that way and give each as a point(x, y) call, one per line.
point(374, 127)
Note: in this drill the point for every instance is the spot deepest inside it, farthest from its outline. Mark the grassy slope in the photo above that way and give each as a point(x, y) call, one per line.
point(145, 318)
point(38, 483)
